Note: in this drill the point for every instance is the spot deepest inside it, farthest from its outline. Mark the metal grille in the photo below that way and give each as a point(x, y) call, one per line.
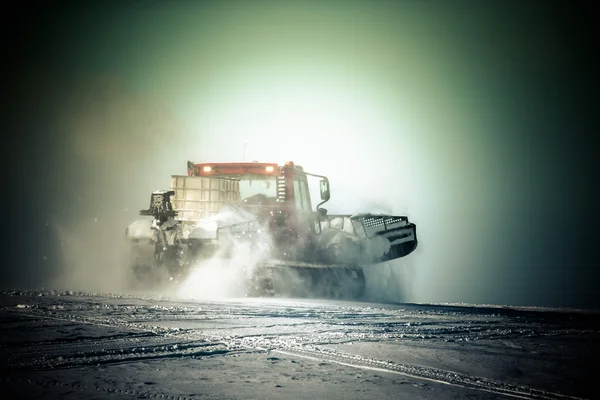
point(373, 225)
point(376, 221)
point(281, 195)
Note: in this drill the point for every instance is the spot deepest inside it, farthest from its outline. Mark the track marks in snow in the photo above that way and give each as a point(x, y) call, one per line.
point(127, 330)
point(90, 390)
point(430, 374)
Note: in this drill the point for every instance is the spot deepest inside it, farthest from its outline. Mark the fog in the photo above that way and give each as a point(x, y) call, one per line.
point(434, 111)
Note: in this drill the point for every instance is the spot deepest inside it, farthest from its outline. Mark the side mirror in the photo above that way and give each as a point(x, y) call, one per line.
point(324, 188)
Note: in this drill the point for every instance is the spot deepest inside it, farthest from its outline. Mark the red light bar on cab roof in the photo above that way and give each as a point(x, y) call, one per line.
point(238, 168)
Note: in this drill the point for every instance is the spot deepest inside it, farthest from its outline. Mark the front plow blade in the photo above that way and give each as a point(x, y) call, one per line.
point(401, 233)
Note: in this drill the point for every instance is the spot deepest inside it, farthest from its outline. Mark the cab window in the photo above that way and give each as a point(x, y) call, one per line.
point(302, 195)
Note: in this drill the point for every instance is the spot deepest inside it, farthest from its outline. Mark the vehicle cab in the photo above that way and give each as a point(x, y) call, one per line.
point(278, 196)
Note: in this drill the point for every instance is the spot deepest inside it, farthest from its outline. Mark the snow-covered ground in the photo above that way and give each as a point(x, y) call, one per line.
point(95, 346)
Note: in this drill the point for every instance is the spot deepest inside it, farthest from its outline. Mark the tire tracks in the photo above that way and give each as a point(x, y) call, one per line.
point(426, 373)
point(142, 342)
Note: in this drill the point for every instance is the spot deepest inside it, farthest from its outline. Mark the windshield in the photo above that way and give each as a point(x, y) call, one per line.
point(258, 189)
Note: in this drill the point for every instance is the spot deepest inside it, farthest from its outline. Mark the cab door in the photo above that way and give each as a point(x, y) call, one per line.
point(305, 214)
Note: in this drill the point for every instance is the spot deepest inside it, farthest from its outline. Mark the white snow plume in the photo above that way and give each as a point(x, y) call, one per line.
point(229, 272)
point(390, 282)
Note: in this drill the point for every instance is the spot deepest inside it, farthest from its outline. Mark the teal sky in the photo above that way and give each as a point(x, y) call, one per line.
point(452, 113)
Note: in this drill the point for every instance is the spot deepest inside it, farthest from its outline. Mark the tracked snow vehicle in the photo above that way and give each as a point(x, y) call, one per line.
point(290, 248)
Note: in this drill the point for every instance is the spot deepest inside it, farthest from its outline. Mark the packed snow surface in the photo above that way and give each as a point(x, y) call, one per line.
point(76, 345)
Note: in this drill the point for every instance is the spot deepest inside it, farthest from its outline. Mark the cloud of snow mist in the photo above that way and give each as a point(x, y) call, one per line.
point(404, 119)
point(392, 281)
point(114, 145)
point(92, 256)
point(227, 274)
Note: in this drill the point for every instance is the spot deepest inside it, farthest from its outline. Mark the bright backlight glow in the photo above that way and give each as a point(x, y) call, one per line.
point(207, 168)
point(299, 118)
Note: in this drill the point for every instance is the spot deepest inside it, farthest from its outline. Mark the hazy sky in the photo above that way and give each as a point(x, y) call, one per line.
point(472, 118)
